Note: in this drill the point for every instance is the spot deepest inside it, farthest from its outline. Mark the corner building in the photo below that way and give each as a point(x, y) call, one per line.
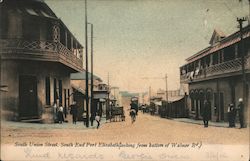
point(38, 53)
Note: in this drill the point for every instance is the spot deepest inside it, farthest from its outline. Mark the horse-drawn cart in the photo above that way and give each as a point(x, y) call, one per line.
point(117, 114)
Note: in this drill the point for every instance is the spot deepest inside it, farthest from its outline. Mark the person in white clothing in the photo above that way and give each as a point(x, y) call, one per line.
point(98, 119)
point(60, 114)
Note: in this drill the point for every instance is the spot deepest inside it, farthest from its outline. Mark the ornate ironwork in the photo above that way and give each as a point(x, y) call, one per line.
point(63, 53)
point(218, 69)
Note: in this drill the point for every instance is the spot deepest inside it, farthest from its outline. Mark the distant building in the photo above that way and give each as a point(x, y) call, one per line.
point(115, 94)
point(100, 94)
point(38, 53)
point(215, 73)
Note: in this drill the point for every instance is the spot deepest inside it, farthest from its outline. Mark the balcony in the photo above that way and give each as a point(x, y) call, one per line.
point(229, 68)
point(41, 50)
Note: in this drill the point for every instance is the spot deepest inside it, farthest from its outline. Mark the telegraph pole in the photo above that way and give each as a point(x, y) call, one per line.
point(149, 94)
point(87, 70)
point(166, 78)
point(242, 52)
point(108, 109)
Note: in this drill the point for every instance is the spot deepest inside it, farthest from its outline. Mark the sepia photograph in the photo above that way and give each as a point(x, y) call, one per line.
point(116, 80)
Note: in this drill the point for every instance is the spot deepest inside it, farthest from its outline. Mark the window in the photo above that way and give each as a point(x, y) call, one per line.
point(229, 53)
point(47, 90)
point(215, 58)
point(60, 92)
point(55, 92)
point(192, 105)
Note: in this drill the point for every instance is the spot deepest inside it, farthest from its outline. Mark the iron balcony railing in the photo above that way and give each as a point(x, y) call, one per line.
point(221, 69)
point(43, 49)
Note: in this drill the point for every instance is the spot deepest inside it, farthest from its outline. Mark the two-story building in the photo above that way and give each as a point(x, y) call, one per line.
point(100, 94)
point(38, 53)
point(215, 74)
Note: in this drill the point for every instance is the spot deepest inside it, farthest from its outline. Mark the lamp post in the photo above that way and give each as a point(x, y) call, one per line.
point(166, 79)
point(87, 71)
point(92, 109)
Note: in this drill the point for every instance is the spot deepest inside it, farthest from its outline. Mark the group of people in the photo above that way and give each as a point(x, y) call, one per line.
point(232, 112)
point(59, 111)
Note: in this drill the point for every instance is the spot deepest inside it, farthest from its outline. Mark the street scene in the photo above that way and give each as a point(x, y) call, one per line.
point(146, 129)
point(139, 79)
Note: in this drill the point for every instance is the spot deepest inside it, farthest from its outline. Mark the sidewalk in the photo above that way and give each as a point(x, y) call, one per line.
point(65, 125)
point(200, 122)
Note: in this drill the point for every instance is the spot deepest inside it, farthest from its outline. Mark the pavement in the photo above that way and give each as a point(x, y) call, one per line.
point(65, 125)
point(200, 122)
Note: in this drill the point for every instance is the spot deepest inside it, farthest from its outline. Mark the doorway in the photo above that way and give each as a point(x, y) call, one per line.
point(28, 107)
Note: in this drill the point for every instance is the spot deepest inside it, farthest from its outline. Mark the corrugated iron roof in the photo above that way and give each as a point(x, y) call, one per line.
point(227, 41)
point(82, 76)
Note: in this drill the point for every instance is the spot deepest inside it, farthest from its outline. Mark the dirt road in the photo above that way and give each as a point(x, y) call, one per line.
point(146, 129)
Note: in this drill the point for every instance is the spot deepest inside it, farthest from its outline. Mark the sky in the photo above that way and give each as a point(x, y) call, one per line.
point(134, 39)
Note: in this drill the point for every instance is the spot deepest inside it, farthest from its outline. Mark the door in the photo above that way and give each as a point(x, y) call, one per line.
point(28, 97)
point(221, 107)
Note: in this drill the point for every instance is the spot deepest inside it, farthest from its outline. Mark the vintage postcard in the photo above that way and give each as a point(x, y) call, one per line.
point(115, 80)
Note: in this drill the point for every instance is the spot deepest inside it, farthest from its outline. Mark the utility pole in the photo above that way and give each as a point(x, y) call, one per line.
point(108, 110)
point(166, 78)
point(242, 52)
point(87, 70)
point(249, 12)
point(93, 110)
point(149, 94)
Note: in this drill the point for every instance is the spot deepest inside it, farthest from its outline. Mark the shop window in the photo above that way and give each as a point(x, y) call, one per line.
point(60, 92)
point(68, 97)
point(55, 91)
point(47, 90)
point(192, 104)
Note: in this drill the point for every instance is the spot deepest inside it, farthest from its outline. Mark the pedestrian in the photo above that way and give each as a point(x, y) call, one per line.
point(73, 111)
point(206, 113)
point(60, 114)
point(231, 115)
point(55, 110)
point(240, 110)
point(84, 117)
point(98, 119)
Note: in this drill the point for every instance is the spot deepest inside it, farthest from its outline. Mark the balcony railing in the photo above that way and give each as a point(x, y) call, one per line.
point(221, 69)
point(41, 50)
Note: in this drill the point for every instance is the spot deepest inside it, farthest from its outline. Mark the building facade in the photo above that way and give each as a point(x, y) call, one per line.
point(215, 74)
point(38, 53)
point(100, 94)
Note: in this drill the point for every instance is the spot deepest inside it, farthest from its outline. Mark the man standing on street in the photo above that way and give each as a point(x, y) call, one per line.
point(241, 112)
point(206, 113)
point(73, 111)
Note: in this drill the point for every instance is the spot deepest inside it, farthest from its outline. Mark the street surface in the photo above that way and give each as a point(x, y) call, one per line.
point(146, 129)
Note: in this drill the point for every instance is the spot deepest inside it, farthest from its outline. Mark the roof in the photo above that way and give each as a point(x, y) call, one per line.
point(78, 89)
point(82, 76)
point(223, 43)
point(35, 8)
point(216, 33)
